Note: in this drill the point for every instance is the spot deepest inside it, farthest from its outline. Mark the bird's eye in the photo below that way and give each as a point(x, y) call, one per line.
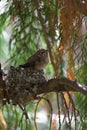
point(43, 53)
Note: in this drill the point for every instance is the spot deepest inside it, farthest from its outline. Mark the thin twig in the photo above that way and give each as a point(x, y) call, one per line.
point(40, 98)
point(65, 103)
point(73, 107)
point(58, 104)
point(24, 113)
point(35, 113)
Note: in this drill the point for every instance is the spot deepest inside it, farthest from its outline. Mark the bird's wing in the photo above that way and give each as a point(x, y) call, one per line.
point(33, 58)
point(31, 61)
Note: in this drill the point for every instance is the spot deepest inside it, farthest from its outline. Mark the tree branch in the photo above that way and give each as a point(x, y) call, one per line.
point(24, 85)
point(62, 85)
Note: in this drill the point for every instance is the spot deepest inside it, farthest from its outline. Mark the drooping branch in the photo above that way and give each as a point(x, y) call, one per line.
point(24, 85)
point(47, 39)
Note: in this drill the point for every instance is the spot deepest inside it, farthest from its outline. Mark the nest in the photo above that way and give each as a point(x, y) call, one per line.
point(22, 85)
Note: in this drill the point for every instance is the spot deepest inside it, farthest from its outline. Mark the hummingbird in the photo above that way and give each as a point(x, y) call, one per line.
point(37, 61)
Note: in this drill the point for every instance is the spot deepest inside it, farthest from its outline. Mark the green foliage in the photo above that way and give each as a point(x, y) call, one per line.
point(81, 100)
point(26, 32)
point(27, 35)
point(49, 71)
point(13, 116)
point(82, 74)
point(3, 36)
